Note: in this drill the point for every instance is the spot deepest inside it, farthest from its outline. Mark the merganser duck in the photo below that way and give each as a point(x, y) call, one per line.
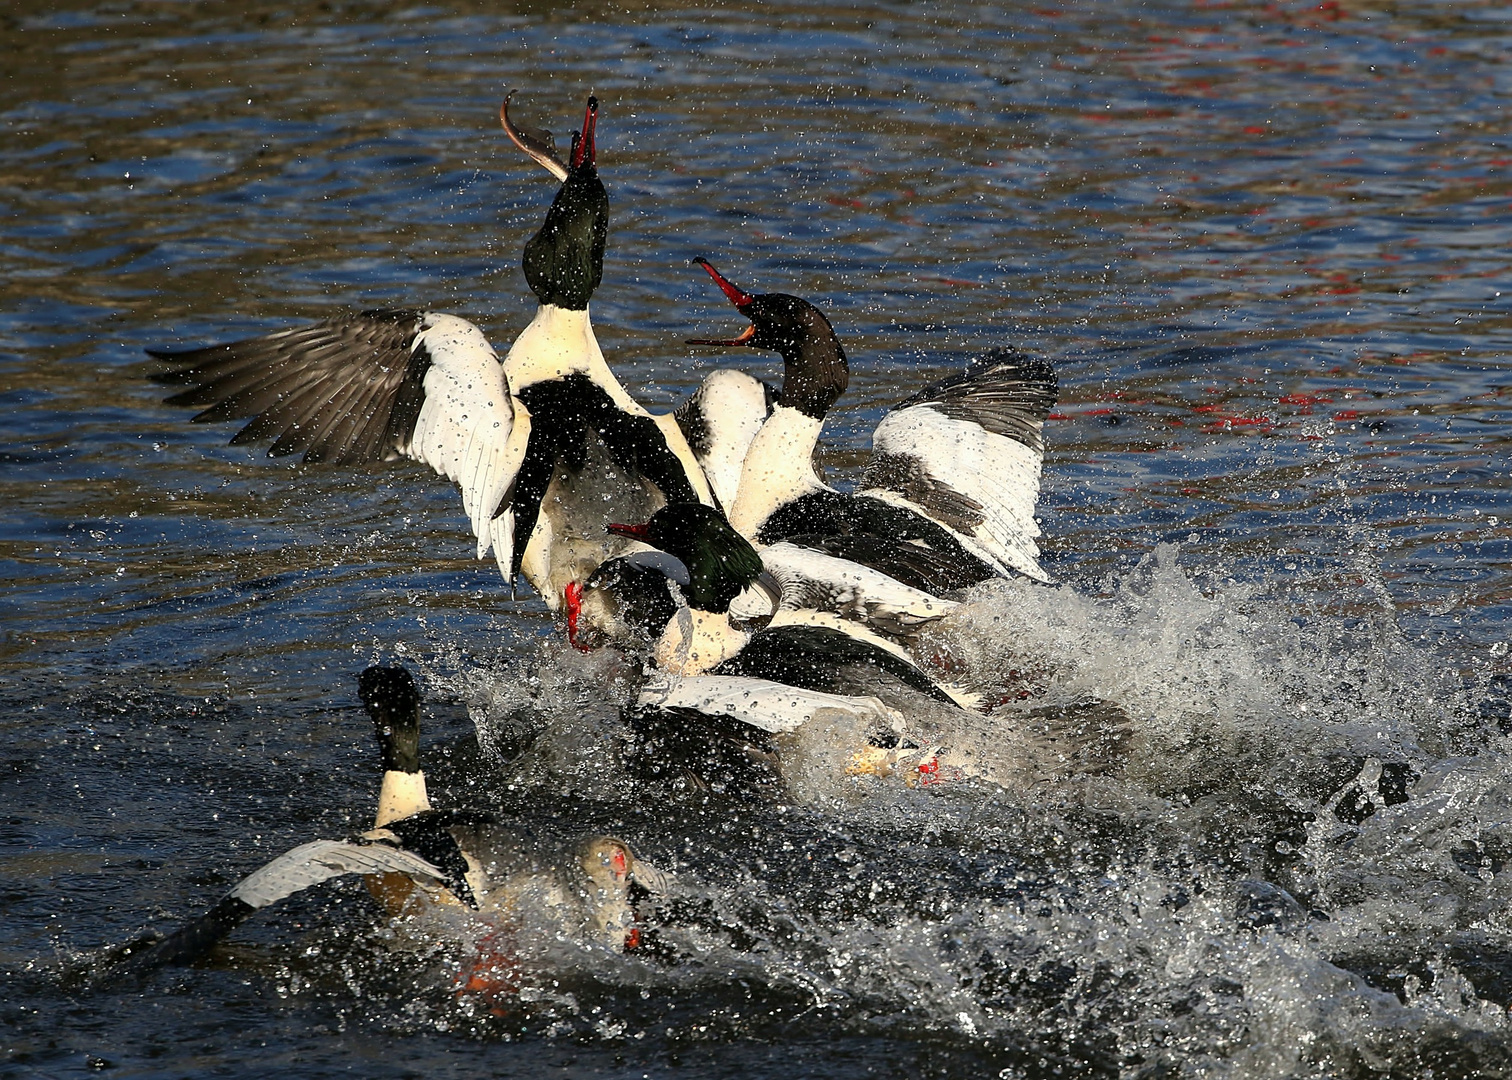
point(947, 499)
point(802, 648)
point(456, 859)
point(556, 369)
point(515, 437)
point(808, 670)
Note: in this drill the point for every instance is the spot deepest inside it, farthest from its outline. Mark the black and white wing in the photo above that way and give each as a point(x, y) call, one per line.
point(372, 387)
point(811, 579)
point(292, 872)
point(966, 452)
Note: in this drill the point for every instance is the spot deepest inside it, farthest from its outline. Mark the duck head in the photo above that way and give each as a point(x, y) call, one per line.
point(390, 697)
point(721, 564)
point(814, 369)
point(564, 260)
point(610, 868)
point(626, 601)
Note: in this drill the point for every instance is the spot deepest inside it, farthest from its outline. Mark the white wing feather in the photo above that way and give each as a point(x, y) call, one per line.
point(770, 706)
point(999, 474)
point(812, 579)
point(320, 860)
point(467, 429)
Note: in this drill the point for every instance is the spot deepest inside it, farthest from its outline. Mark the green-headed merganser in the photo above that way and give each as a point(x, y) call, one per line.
point(808, 664)
point(593, 451)
point(801, 647)
point(545, 447)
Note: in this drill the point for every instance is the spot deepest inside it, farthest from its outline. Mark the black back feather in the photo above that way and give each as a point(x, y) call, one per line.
point(817, 658)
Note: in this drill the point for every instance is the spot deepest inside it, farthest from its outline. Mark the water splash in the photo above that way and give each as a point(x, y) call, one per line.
point(1298, 868)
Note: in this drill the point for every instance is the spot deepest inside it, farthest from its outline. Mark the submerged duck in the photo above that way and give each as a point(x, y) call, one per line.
point(417, 859)
point(544, 446)
point(947, 499)
point(806, 665)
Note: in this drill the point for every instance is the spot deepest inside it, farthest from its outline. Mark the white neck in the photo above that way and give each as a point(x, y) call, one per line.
point(558, 342)
point(778, 468)
point(697, 641)
point(400, 795)
point(849, 627)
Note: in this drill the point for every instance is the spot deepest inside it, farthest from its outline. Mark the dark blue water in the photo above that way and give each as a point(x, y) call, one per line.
point(1266, 248)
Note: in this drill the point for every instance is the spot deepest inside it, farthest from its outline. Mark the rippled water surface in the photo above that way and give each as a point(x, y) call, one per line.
point(1266, 246)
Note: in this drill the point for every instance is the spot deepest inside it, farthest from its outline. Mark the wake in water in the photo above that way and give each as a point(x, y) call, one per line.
point(1294, 864)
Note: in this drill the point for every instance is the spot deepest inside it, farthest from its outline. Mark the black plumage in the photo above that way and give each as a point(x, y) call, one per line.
point(913, 564)
point(835, 514)
point(564, 414)
point(825, 660)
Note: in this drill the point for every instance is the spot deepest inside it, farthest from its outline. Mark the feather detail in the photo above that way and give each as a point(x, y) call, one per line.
point(967, 451)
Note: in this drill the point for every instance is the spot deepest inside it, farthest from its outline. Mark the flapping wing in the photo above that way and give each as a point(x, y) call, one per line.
point(719, 421)
point(467, 429)
point(293, 871)
point(966, 451)
point(343, 390)
point(371, 387)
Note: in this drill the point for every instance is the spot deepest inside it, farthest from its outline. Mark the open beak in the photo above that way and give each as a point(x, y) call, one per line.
point(737, 297)
point(634, 532)
point(583, 149)
point(740, 299)
point(743, 338)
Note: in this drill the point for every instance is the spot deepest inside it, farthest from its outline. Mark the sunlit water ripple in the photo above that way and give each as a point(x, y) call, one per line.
point(1266, 248)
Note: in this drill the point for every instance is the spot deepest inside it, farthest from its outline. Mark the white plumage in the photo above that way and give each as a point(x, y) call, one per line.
point(320, 860)
point(1000, 475)
point(466, 429)
point(768, 706)
point(720, 420)
point(812, 579)
point(778, 468)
